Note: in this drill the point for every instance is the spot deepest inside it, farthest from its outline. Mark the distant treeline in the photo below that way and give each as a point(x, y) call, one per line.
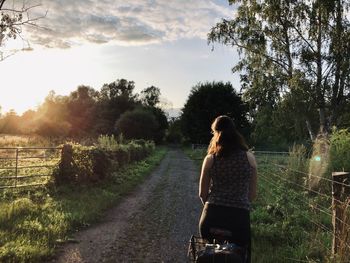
point(115, 109)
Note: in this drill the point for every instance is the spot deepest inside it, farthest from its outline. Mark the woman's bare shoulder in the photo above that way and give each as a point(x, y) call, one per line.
point(209, 159)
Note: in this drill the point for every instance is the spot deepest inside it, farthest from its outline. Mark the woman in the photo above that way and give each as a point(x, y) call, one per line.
point(227, 184)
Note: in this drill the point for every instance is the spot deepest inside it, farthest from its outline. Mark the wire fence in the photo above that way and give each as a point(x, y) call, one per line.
point(27, 166)
point(332, 202)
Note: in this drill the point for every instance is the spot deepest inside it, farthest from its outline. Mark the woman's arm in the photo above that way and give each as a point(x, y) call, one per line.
point(204, 181)
point(253, 181)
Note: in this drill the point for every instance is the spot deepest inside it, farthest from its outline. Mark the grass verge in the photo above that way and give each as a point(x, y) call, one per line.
point(35, 222)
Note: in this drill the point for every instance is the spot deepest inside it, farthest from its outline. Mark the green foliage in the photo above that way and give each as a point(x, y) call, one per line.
point(137, 124)
point(88, 164)
point(82, 164)
point(284, 47)
point(150, 96)
point(339, 153)
point(81, 105)
point(207, 101)
point(109, 142)
point(162, 121)
point(174, 133)
point(115, 98)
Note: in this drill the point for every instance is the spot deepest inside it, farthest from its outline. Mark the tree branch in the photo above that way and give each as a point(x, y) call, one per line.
point(23, 10)
point(302, 37)
point(283, 65)
point(2, 3)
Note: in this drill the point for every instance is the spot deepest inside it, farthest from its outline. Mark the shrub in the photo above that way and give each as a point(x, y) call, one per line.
point(339, 153)
point(137, 124)
point(107, 142)
point(84, 164)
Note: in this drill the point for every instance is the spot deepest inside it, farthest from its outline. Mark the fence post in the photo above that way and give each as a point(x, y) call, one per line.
point(16, 169)
point(339, 195)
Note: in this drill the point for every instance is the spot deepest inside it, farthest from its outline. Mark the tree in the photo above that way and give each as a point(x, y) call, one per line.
point(81, 106)
point(9, 123)
point(207, 101)
point(137, 124)
point(52, 116)
point(49, 128)
point(150, 96)
point(12, 20)
point(117, 89)
point(28, 121)
point(294, 47)
point(115, 98)
point(162, 122)
point(174, 133)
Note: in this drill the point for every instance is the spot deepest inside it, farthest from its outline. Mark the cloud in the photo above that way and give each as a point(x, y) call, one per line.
point(134, 22)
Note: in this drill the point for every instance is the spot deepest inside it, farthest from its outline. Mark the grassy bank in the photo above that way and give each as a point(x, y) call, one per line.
point(34, 222)
point(288, 223)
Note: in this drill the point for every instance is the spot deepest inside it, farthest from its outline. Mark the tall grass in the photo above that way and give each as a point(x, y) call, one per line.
point(297, 164)
point(318, 163)
point(27, 141)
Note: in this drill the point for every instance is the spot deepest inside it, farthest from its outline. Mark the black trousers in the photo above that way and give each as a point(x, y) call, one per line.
point(236, 220)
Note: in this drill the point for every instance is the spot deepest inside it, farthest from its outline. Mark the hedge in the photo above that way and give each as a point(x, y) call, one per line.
point(88, 164)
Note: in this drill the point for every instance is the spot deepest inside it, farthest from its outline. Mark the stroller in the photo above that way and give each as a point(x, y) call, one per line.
point(218, 251)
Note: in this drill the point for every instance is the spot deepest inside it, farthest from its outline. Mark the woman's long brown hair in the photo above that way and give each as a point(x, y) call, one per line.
point(226, 138)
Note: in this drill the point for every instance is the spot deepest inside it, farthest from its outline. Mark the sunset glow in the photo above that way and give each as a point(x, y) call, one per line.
point(152, 44)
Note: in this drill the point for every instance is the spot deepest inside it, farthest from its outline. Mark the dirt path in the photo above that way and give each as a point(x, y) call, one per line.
point(153, 224)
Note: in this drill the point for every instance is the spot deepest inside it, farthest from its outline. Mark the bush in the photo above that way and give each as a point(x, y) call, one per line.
point(339, 153)
point(82, 164)
point(137, 124)
point(107, 142)
point(85, 164)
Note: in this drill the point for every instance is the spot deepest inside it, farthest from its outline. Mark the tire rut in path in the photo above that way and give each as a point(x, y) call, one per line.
point(153, 224)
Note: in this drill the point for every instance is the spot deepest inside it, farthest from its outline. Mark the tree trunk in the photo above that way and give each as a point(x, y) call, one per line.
point(322, 116)
point(319, 94)
point(309, 128)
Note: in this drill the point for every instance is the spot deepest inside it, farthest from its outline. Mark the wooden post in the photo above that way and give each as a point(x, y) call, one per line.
point(16, 169)
point(339, 194)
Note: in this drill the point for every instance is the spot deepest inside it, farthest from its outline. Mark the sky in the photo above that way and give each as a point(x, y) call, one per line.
point(92, 42)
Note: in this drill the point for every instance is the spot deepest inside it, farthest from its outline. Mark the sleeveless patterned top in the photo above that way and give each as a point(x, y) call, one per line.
point(230, 181)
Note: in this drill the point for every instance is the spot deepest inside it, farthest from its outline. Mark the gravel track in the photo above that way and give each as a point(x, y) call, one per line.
point(152, 224)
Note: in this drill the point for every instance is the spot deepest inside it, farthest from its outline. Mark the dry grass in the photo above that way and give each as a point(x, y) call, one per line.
point(26, 141)
point(319, 161)
point(344, 248)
